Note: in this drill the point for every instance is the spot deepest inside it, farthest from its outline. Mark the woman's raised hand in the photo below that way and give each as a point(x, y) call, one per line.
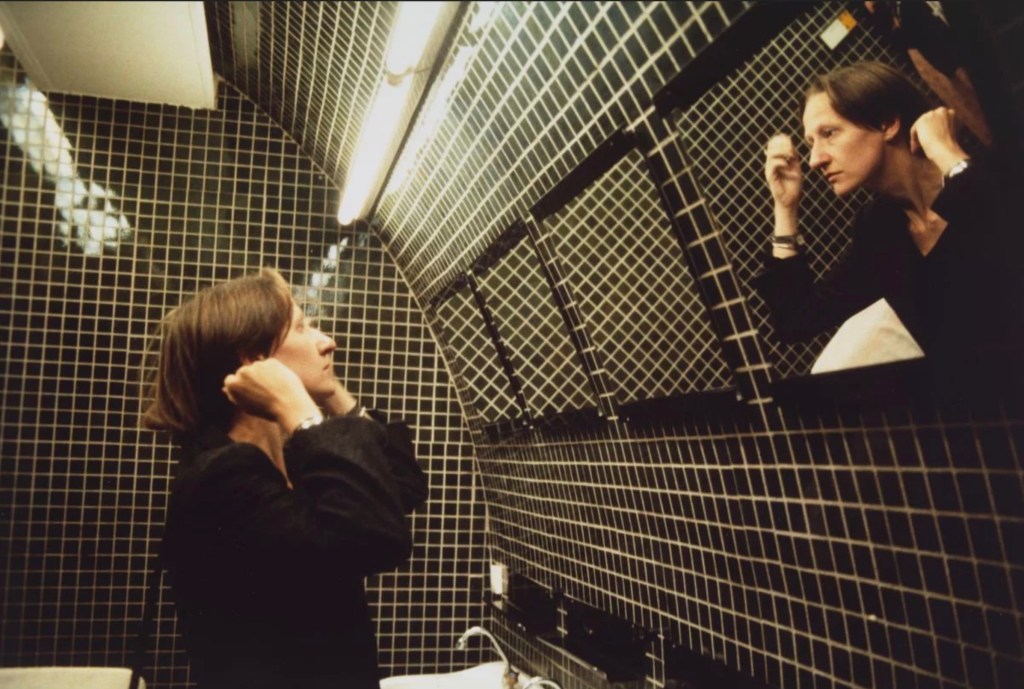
point(269, 389)
point(935, 134)
point(341, 402)
point(782, 170)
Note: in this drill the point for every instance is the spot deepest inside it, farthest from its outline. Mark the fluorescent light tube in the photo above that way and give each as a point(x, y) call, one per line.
point(376, 139)
point(413, 26)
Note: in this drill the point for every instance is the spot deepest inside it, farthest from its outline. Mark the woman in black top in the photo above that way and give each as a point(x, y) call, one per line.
point(934, 241)
point(287, 495)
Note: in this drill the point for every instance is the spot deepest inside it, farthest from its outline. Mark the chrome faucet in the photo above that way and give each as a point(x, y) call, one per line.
point(480, 631)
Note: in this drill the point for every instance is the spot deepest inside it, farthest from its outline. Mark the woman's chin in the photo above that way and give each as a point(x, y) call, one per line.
point(321, 395)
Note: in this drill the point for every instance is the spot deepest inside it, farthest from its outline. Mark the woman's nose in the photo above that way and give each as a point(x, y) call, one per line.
point(326, 344)
point(818, 158)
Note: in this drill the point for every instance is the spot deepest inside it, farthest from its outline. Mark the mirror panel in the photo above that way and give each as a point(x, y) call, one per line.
point(534, 332)
point(725, 132)
point(480, 371)
point(638, 302)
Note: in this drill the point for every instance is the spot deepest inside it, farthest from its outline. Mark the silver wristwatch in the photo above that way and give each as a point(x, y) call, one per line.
point(957, 169)
point(309, 422)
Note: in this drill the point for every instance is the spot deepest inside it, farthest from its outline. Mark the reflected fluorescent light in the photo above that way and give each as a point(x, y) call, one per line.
point(379, 128)
point(1, 38)
point(483, 16)
point(413, 26)
point(90, 215)
point(322, 279)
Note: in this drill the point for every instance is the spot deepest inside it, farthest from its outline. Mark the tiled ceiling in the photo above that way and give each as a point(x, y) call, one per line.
point(312, 66)
point(544, 84)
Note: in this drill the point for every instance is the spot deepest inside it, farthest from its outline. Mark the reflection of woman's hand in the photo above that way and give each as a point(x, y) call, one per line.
point(269, 389)
point(934, 134)
point(782, 170)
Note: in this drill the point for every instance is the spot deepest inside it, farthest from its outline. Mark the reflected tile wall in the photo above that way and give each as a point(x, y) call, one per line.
point(205, 195)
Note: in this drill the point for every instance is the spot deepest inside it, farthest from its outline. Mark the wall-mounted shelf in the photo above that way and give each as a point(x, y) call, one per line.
point(531, 607)
point(687, 669)
point(615, 648)
point(671, 409)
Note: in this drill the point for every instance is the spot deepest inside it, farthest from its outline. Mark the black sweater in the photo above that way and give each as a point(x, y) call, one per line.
point(961, 299)
point(268, 581)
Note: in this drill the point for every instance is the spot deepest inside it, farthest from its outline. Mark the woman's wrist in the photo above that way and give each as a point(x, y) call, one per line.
point(340, 403)
point(292, 418)
point(785, 221)
point(949, 158)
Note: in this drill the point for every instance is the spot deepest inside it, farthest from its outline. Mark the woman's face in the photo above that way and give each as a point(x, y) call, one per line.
point(307, 352)
point(849, 155)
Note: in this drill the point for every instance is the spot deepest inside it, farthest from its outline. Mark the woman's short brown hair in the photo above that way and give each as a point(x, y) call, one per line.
point(871, 94)
point(206, 338)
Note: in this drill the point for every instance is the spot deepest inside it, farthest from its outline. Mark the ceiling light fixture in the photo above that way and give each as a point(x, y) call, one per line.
point(379, 128)
point(414, 25)
point(440, 97)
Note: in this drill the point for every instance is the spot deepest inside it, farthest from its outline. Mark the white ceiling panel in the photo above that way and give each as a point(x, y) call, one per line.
point(151, 52)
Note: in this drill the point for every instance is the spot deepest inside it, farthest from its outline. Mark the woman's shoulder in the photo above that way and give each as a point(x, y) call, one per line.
point(221, 464)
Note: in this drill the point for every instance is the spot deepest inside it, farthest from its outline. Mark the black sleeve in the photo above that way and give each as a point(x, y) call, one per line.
point(401, 456)
point(801, 308)
point(363, 472)
point(973, 204)
point(978, 283)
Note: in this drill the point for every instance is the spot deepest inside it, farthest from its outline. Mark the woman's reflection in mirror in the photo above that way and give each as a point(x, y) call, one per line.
point(934, 243)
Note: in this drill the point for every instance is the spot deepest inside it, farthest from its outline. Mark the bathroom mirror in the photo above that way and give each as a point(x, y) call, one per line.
point(638, 305)
point(724, 130)
point(529, 324)
point(481, 369)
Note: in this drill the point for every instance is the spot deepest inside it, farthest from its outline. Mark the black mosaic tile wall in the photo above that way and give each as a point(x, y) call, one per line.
point(836, 546)
point(312, 66)
point(829, 546)
point(545, 84)
point(100, 236)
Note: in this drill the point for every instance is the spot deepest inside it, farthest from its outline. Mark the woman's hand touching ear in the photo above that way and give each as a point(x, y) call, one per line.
point(269, 389)
point(935, 134)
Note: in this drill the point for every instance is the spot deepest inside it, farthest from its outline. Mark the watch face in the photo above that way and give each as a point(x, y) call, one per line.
point(957, 169)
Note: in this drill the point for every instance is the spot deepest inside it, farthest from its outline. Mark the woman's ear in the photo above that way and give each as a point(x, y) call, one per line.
point(891, 130)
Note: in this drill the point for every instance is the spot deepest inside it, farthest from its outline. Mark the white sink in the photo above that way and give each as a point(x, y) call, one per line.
point(486, 676)
point(66, 678)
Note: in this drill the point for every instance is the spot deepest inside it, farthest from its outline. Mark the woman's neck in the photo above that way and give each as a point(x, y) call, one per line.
point(264, 434)
point(911, 181)
point(914, 183)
